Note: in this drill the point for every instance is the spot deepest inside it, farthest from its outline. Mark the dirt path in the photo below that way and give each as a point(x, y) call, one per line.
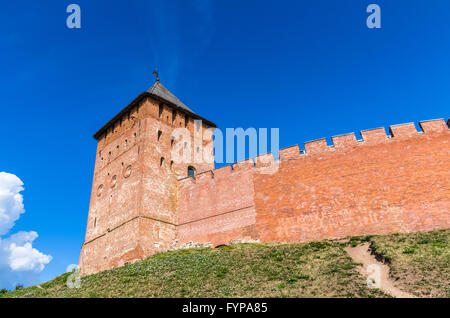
point(375, 270)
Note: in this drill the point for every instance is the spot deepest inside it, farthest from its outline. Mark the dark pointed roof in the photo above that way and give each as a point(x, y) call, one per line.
point(159, 92)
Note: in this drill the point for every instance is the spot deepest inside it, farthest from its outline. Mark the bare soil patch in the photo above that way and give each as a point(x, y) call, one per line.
point(362, 254)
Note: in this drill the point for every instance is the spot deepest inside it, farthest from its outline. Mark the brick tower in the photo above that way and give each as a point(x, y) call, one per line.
point(133, 206)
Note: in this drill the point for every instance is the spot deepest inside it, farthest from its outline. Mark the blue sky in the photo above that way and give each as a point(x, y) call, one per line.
point(311, 68)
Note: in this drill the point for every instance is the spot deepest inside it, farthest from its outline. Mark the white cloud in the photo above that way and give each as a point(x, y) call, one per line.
point(27, 258)
point(11, 201)
point(19, 261)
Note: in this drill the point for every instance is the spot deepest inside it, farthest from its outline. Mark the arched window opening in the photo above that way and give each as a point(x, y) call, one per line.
point(174, 115)
point(162, 161)
point(191, 172)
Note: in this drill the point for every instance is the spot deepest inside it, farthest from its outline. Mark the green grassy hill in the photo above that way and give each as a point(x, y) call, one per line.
point(419, 264)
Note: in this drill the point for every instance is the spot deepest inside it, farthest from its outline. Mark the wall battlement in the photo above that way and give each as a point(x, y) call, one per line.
point(381, 183)
point(344, 142)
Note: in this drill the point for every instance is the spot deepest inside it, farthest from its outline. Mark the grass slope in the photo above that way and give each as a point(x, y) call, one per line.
point(419, 262)
point(318, 269)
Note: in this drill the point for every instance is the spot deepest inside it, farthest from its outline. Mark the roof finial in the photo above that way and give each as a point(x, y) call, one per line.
point(156, 73)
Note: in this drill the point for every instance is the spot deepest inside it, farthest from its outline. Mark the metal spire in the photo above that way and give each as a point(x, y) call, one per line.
point(156, 73)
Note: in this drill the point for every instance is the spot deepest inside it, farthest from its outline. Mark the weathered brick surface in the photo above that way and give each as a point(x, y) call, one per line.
point(134, 200)
point(112, 249)
point(380, 184)
point(356, 188)
point(140, 204)
point(217, 207)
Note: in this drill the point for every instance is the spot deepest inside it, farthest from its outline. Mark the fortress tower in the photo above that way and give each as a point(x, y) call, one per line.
point(144, 200)
point(132, 212)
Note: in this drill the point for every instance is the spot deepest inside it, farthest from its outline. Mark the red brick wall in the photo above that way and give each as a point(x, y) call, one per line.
point(216, 207)
point(374, 186)
point(380, 184)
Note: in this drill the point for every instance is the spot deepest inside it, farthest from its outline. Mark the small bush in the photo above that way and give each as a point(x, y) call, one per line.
point(318, 245)
point(408, 250)
point(301, 276)
point(291, 280)
point(221, 272)
point(278, 256)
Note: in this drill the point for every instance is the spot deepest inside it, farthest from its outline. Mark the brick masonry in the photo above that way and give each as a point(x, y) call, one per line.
point(142, 204)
